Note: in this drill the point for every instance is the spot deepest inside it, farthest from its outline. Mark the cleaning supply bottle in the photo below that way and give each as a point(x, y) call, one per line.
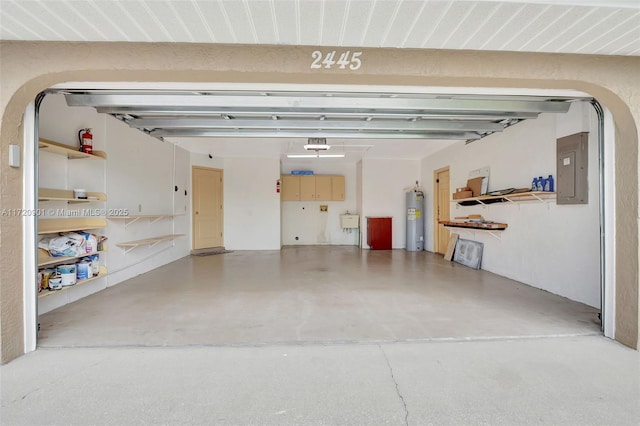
point(534, 184)
point(540, 184)
point(549, 184)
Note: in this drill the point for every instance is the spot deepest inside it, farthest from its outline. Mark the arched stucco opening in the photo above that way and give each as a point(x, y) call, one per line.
point(289, 65)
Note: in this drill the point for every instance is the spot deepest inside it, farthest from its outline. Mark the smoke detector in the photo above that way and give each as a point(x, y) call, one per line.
point(317, 144)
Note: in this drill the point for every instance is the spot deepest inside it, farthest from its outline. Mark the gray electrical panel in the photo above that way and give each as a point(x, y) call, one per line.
point(572, 183)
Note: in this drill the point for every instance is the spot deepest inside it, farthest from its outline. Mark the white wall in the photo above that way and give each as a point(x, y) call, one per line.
point(251, 204)
point(303, 219)
point(250, 201)
point(139, 176)
point(384, 183)
point(203, 160)
point(552, 247)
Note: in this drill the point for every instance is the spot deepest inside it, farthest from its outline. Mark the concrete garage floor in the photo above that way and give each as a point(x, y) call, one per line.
point(312, 295)
point(315, 336)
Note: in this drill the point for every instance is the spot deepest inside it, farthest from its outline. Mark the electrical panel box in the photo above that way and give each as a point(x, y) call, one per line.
point(572, 183)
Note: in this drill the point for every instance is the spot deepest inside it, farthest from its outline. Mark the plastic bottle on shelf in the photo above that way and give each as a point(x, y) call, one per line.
point(534, 184)
point(549, 184)
point(540, 185)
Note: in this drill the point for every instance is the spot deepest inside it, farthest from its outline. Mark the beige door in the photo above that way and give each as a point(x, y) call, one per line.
point(290, 188)
point(207, 208)
point(441, 208)
point(323, 188)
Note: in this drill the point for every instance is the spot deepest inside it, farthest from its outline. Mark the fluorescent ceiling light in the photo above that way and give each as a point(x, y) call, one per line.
point(316, 147)
point(315, 155)
point(317, 144)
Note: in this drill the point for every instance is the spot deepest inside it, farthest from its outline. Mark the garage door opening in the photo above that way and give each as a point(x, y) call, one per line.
point(541, 276)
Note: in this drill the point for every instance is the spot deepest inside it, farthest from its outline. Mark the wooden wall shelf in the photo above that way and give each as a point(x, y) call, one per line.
point(50, 194)
point(68, 151)
point(45, 259)
point(484, 200)
point(54, 226)
point(103, 273)
point(153, 218)
point(130, 245)
point(491, 226)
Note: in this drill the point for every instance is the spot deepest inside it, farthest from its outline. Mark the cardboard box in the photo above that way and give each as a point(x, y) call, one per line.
point(462, 194)
point(476, 186)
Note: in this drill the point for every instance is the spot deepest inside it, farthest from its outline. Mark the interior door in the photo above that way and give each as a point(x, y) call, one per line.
point(441, 209)
point(207, 208)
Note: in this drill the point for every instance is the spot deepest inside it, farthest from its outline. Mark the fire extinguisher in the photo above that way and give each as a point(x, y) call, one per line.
point(278, 186)
point(86, 140)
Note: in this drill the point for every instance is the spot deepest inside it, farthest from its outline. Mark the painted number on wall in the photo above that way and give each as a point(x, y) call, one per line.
point(328, 60)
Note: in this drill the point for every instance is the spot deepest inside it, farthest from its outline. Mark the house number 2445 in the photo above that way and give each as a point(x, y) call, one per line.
point(345, 59)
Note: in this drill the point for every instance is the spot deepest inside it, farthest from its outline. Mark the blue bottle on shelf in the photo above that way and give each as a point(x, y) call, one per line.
point(534, 184)
point(549, 184)
point(540, 185)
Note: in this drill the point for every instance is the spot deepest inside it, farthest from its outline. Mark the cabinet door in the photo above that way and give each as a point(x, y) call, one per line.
point(307, 188)
point(323, 188)
point(337, 188)
point(290, 188)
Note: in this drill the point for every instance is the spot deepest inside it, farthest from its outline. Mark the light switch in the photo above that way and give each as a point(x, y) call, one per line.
point(14, 156)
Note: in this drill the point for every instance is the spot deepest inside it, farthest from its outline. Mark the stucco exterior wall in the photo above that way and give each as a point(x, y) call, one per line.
point(26, 68)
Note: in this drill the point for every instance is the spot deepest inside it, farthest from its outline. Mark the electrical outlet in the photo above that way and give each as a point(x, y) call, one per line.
point(324, 208)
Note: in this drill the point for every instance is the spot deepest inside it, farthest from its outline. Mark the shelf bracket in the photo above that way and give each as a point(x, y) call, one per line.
point(127, 250)
point(128, 222)
point(156, 219)
point(494, 235)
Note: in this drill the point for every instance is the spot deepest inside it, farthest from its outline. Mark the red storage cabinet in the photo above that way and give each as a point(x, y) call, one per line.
point(379, 233)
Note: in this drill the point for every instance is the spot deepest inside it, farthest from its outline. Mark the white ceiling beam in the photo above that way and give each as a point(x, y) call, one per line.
point(345, 134)
point(168, 112)
point(334, 103)
point(382, 125)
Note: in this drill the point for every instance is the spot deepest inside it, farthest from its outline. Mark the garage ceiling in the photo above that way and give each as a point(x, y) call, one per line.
point(316, 114)
point(555, 26)
point(353, 122)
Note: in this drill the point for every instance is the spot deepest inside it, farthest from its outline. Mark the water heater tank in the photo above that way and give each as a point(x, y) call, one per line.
point(415, 220)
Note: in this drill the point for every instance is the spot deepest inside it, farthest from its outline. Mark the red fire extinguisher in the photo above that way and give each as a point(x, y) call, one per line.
point(278, 186)
point(86, 140)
